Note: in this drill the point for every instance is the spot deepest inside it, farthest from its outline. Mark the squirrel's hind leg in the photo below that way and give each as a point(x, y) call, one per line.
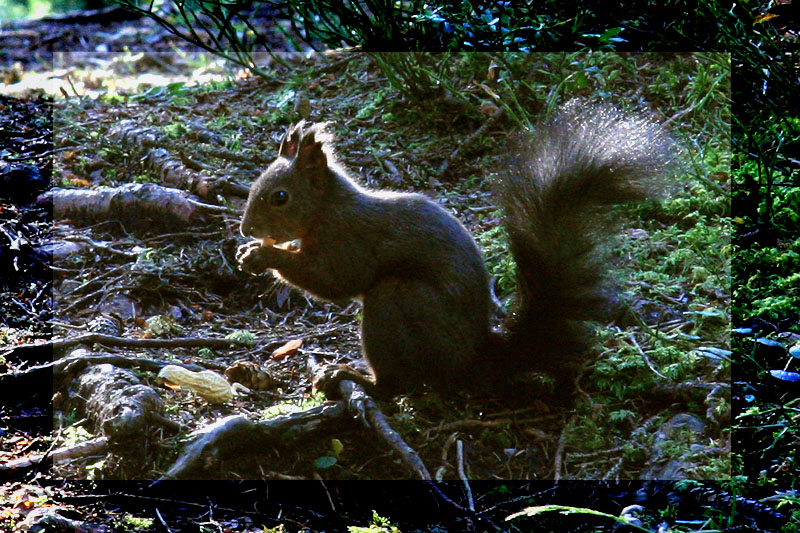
point(414, 334)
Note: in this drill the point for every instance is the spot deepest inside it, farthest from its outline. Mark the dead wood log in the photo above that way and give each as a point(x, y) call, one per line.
point(236, 435)
point(138, 206)
point(50, 519)
point(119, 406)
point(171, 168)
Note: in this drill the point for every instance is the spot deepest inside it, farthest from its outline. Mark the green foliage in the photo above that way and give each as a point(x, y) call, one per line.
point(502, 438)
point(377, 524)
point(153, 260)
point(332, 456)
point(766, 286)
point(230, 30)
point(242, 335)
point(17, 9)
point(622, 415)
point(162, 326)
point(589, 433)
point(14, 9)
point(74, 435)
point(375, 103)
point(414, 74)
point(145, 177)
point(500, 489)
point(287, 408)
point(767, 282)
point(176, 130)
point(324, 462)
point(564, 509)
point(133, 523)
point(494, 243)
point(205, 354)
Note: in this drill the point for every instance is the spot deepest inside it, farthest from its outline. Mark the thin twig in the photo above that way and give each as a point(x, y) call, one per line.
point(647, 359)
point(111, 340)
point(463, 475)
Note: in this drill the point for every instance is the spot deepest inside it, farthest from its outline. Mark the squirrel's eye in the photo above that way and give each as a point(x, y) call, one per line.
point(279, 198)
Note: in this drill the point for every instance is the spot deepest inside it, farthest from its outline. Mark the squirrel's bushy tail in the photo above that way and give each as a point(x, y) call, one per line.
point(556, 194)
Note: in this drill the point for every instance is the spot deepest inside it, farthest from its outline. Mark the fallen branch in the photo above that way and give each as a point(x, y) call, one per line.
point(360, 405)
point(470, 516)
point(559, 456)
point(68, 364)
point(110, 340)
point(236, 435)
point(179, 342)
point(139, 206)
point(377, 421)
point(44, 379)
point(170, 167)
point(49, 519)
point(60, 455)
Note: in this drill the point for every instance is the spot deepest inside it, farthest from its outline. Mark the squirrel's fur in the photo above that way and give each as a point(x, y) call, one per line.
point(420, 275)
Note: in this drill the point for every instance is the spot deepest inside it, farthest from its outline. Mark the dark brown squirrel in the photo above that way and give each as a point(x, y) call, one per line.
point(421, 276)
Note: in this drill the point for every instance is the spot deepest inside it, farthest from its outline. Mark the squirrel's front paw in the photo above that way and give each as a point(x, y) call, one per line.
point(253, 257)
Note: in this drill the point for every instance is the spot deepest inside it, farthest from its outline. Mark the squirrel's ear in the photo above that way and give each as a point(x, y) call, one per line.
point(291, 141)
point(312, 153)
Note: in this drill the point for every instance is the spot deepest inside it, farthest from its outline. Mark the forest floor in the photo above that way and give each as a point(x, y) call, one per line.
point(174, 116)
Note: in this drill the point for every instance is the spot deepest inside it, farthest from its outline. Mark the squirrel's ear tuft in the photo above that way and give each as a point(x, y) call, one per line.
point(291, 141)
point(308, 148)
point(314, 150)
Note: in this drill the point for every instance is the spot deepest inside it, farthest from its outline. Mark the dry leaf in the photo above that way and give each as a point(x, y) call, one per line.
point(289, 348)
point(763, 18)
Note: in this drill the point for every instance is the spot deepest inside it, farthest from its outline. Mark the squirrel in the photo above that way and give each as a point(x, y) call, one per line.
point(419, 273)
